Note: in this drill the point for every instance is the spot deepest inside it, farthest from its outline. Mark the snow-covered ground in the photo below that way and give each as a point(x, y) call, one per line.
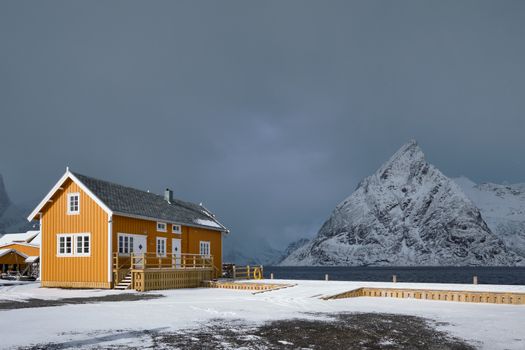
point(488, 326)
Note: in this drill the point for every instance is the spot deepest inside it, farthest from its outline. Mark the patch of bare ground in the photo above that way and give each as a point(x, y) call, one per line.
point(343, 331)
point(339, 331)
point(32, 303)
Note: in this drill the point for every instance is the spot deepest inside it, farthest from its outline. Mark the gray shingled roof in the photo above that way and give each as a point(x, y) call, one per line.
point(127, 200)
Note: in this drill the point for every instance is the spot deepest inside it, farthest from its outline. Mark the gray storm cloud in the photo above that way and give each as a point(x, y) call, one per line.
point(268, 112)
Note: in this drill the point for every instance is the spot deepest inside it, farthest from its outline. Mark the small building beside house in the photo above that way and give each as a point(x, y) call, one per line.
point(19, 253)
point(98, 234)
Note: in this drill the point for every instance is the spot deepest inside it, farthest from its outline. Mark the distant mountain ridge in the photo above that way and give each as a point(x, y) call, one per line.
point(5, 201)
point(258, 253)
point(407, 213)
point(12, 218)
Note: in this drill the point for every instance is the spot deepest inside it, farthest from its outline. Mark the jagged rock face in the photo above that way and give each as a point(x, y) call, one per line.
point(407, 213)
point(502, 208)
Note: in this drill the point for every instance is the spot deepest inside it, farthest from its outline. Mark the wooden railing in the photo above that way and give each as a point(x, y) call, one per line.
point(169, 261)
point(247, 272)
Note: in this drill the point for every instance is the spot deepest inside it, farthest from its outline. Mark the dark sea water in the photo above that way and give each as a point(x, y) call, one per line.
point(486, 275)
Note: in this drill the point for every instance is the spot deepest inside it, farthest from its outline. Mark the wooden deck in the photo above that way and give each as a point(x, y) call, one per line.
point(443, 295)
point(257, 287)
point(151, 272)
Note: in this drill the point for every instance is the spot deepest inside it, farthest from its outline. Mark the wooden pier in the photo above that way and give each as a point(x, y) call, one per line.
point(258, 287)
point(435, 294)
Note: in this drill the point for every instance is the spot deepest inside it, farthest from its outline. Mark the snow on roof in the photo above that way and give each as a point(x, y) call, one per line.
point(37, 239)
point(204, 222)
point(32, 259)
point(25, 237)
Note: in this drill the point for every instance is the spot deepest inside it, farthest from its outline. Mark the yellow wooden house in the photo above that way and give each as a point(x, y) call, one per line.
point(98, 234)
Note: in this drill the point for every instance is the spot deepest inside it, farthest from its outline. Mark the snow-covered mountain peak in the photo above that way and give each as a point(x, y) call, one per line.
point(409, 156)
point(406, 213)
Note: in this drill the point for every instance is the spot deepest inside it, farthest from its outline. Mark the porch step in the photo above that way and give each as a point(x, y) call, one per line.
point(125, 283)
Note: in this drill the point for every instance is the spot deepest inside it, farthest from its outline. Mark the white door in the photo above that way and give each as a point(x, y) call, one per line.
point(176, 251)
point(139, 248)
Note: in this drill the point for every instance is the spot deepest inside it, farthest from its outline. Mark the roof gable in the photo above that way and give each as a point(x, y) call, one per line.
point(47, 198)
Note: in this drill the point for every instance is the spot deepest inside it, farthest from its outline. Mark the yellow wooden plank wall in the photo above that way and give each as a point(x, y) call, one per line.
point(190, 236)
point(195, 235)
point(123, 224)
point(88, 271)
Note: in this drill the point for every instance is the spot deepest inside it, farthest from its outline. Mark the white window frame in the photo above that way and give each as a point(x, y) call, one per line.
point(65, 236)
point(74, 237)
point(69, 197)
point(165, 229)
point(82, 236)
point(161, 254)
point(127, 249)
point(203, 251)
point(175, 228)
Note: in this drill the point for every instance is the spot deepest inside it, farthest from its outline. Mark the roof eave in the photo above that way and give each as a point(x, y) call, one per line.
point(149, 218)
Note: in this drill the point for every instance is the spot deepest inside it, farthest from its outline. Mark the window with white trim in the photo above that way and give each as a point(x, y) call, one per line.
point(161, 246)
point(73, 203)
point(162, 227)
point(74, 244)
point(204, 248)
point(175, 228)
point(125, 244)
point(64, 243)
point(83, 245)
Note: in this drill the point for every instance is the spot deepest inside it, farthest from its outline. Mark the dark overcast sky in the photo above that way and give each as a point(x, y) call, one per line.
point(268, 112)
